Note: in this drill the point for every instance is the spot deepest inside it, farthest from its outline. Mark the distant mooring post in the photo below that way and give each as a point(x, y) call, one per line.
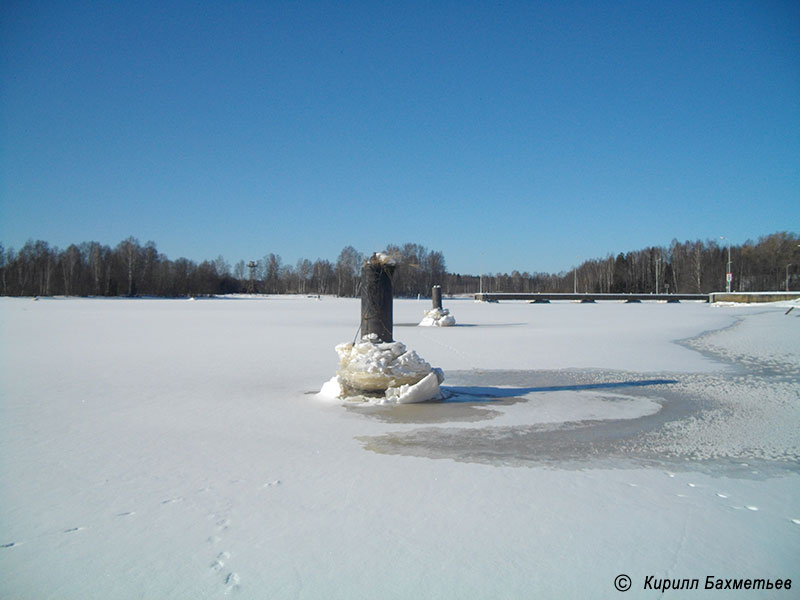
point(437, 296)
point(251, 285)
point(437, 316)
point(376, 297)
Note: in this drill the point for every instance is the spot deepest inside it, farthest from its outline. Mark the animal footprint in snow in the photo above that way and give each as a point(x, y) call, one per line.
point(721, 495)
point(74, 529)
point(172, 500)
point(795, 521)
point(127, 514)
point(223, 524)
point(272, 483)
point(9, 545)
point(753, 508)
point(232, 582)
point(220, 561)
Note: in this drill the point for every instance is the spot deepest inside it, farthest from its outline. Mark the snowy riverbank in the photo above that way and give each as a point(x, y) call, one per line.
point(165, 448)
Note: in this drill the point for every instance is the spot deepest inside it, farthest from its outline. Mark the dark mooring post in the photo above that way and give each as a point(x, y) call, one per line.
point(437, 296)
point(376, 297)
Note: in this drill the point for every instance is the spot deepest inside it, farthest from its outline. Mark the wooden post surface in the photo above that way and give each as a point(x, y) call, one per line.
point(437, 296)
point(376, 298)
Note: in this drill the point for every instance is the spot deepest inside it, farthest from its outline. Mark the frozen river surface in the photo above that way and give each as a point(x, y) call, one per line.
point(168, 448)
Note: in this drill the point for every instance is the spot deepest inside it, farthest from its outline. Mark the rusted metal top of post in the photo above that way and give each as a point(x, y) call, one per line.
point(376, 297)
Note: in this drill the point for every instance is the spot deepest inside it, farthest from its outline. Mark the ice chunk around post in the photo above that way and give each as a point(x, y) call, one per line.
point(383, 371)
point(331, 388)
point(373, 367)
point(426, 389)
point(438, 317)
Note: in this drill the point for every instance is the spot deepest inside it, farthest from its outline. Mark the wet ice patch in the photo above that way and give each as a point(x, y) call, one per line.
point(719, 421)
point(559, 396)
point(555, 397)
point(569, 406)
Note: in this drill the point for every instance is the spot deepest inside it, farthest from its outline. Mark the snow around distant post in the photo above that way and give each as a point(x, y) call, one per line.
point(438, 317)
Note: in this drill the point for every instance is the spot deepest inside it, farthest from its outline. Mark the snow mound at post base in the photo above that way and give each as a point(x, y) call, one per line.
point(426, 389)
point(383, 373)
point(438, 317)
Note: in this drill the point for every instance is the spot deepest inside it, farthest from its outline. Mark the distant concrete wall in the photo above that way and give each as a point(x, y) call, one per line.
point(753, 296)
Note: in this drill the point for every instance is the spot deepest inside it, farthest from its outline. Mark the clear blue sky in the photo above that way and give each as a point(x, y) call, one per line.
point(514, 135)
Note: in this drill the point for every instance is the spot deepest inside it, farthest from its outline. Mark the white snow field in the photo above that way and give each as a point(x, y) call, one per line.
point(172, 449)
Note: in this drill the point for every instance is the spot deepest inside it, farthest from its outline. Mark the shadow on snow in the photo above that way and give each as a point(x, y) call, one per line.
point(489, 394)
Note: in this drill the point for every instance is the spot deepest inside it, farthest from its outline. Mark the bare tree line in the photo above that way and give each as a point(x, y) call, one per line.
point(772, 263)
point(132, 269)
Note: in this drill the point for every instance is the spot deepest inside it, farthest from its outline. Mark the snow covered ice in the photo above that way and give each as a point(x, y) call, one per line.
point(163, 448)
